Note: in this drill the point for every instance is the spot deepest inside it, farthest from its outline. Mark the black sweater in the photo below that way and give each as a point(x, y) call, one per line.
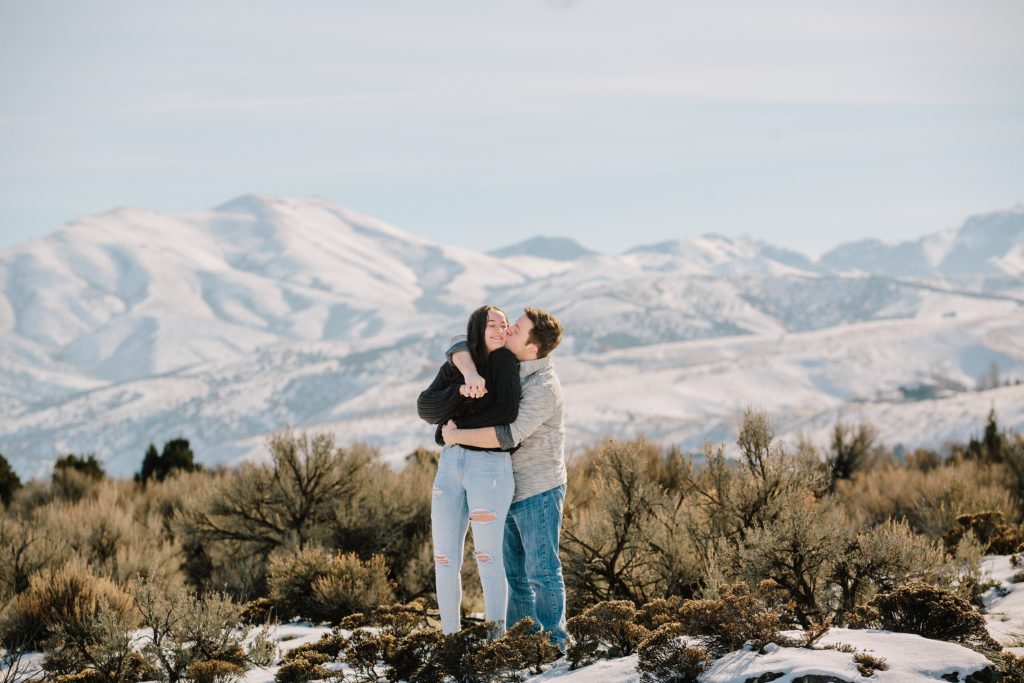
point(500, 405)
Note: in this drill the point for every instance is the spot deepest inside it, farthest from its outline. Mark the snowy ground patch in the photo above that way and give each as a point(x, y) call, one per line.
point(1004, 604)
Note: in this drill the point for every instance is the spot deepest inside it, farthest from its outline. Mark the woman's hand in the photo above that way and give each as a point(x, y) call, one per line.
point(448, 433)
point(471, 392)
point(474, 386)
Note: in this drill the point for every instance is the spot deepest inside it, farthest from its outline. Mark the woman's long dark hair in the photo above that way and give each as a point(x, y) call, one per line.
point(476, 328)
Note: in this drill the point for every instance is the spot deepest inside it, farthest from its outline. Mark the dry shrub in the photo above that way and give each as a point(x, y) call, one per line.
point(171, 499)
point(664, 657)
point(69, 597)
point(404, 643)
point(390, 516)
point(827, 566)
point(971, 580)
point(852, 450)
point(885, 556)
point(319, 586)
point(351, 585)
point(734, 618)
point(403, 619)
point(83, 676)
point(108, 534)
point(300, 670)
point(990, 529)
point(183, 628)
point(621, 537)
point(1012, 667)
point(815, 632)
point(659, 612)
point(737, 498)
point(87, 620)
point(459, 650)
point(929, 612)
point(287, 503)
point(417, 654)
point(607, 629)
point(364, 650)
point(929, 501)
point(522, 647)
point(797, 549)
point(868, 664)
point(25, 549)
point(416, 658)
point(330, 645)
point(258, 611)
point(70, 485)
point(215, 671)
point(262, 650)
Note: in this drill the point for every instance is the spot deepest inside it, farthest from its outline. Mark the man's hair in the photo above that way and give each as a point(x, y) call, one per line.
point(546, 333)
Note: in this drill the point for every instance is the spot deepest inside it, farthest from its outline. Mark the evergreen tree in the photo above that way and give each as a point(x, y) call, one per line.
point(177, 455)
point(87, 465)
point(9, 481)
point(992, 445)
point(150, 463)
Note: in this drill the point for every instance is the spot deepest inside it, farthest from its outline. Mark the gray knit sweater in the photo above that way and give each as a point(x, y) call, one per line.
point(539, 463)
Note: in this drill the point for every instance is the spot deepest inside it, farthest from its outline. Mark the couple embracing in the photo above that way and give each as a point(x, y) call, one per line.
point(497, 404)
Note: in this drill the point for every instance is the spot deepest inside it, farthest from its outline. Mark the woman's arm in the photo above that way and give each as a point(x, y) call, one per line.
point(441, 399)
point(505, 390)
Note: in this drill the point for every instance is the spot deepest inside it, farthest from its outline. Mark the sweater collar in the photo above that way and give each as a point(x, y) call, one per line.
point(530, 367)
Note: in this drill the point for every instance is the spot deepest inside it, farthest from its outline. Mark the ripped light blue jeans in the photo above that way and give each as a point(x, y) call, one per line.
point(472, 488)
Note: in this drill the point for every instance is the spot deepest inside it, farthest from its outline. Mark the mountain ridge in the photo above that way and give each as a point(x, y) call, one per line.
point(266, 311)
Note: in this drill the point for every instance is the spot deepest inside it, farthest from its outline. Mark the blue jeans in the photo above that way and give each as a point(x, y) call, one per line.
point(471, 488)
point(536, 588)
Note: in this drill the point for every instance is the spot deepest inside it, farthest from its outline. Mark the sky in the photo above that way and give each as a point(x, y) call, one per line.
point(806, 124)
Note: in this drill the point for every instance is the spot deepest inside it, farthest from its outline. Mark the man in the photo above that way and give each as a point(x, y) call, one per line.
point(534, 522)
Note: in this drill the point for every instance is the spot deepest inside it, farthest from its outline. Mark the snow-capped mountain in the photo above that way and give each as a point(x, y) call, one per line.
point(554, 248)
point(986, 245)
point(137, 326)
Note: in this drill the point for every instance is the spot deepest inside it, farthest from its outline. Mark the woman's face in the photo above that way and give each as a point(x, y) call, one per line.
point(494, 335)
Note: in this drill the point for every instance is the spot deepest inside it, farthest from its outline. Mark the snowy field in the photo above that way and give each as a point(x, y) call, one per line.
point(909, 658)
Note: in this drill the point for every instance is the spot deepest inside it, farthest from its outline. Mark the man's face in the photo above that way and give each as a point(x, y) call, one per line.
point(518, 341)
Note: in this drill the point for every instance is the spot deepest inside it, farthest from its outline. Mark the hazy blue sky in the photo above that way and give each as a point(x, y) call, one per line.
point(480, 123)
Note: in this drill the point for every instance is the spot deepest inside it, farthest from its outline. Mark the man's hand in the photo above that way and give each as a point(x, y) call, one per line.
point(475, 386)
point(448, 433)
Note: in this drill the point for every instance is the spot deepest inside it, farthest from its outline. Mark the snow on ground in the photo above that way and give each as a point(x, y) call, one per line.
point(1004, 603)
point(910, 658)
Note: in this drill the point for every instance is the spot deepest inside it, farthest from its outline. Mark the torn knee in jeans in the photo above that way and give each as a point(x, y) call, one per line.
point(438, 491)
point(441, 559)
point(482, 516)
point(483, 557)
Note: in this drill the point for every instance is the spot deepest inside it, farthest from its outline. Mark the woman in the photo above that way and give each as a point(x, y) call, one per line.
point(473, 487)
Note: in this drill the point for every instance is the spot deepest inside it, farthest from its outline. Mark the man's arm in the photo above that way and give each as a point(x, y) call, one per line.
point(482, 437)
point(536, 406)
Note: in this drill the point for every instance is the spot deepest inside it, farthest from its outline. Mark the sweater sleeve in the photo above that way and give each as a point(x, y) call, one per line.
point(537, 406)
point(441, 399)
point(457, 343)
point(504, 388)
